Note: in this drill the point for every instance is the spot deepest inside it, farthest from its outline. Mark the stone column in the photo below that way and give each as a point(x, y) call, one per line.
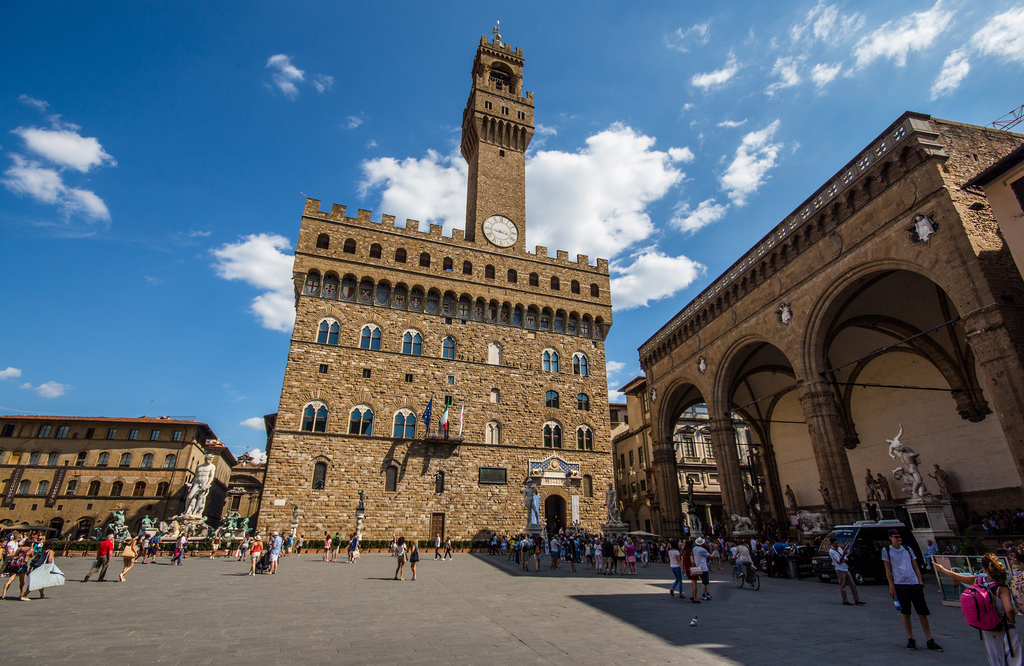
point(825, 428)
point(998, 355)
point(776, 502)
point(727, 459)
point(668, 488)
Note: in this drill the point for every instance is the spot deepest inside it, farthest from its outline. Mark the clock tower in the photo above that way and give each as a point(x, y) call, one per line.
point(497, 126)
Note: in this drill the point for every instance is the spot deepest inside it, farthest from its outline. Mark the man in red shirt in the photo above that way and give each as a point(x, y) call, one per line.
point(102, 558)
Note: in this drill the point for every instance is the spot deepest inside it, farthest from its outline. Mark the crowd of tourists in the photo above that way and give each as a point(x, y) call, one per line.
point(28, 559)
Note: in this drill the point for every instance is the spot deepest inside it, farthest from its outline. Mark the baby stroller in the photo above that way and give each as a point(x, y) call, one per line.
point(263, 564)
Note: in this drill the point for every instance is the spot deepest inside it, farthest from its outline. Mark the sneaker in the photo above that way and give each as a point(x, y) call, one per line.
point(671, 593)
point(911, 644)
point(932, 645)
point(860, 603)
point(847, 603)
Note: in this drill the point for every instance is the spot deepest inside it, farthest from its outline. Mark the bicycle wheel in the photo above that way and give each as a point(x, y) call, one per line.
point(755, 582)
point(737, 578)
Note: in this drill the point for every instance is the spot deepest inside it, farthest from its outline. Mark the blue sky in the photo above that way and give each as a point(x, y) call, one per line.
point(153, 156)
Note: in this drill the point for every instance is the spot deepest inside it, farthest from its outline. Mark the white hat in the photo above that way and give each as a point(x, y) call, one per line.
point(699, 541)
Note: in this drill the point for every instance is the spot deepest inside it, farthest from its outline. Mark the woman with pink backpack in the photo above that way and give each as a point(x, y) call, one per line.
point(987, 605)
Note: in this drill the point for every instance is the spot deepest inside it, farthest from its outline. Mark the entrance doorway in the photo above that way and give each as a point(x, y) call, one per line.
point(437, 526)
point(554, 513)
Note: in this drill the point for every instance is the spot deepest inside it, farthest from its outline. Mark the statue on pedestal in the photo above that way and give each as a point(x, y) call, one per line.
point(791, 498)
point(944, 482)
point(611, 502)
point(883, 486)
point(909, 474)
point(811, 523)
point(874, 490)
point(532, 502)
point(195, 501)
point(742, 525)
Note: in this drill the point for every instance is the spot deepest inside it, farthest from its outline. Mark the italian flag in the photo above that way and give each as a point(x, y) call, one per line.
point(444, 421)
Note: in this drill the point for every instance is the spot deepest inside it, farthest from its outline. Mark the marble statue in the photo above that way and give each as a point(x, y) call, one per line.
point(924, 228)
point(944, 482)
point(195, 501)
point(883, 486)
point(908, 474)
point(791, 498)
point(148, 523)
point(811, 523)
point(874, 490)
point(531, 500)
point(750, 495)
point(175, 529)
point(611, 502)
point(741, 524)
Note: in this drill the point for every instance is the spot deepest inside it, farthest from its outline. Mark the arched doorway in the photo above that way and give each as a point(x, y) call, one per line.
point(57, 525)
point(84, 528)
point(554, 513)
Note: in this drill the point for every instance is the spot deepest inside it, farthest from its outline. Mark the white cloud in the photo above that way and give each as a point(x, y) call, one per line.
point(47, 389)
point(261, 261)
point(431, 189)
point(895, 39)
point(718, 77)
point(65, 147)
point(152, 280)
point(285, 75)
point(371, 144)
point(255, 422)
point(826, 23)
point(683, 154)
point(193, 233)
point(615, 398)
point(732, 123)
point(786, 69)
point(614, 366)
point(33, 102)
point(823, 74)
point(954, 69)
point(651, 277)
point(1002, 36)
point(353, 122)
point(323, 82)
point(29, 178)
point(689, 221)
point(10, 373)
point(698, 34)
point(689, 106)
point(258, 457)
point(755, 156)
point(545, 130)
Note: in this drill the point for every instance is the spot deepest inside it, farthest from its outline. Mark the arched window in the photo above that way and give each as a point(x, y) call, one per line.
point(416, 299)
point(531, 317)
point(588, 485)
point(331, 286)
point(375, 251)
point(572, 325)
point(162, 488)
point(552, 435)
point(412, 343)
point(574, 286)
point(433, 301)
point(513, 277)
point(94, 489)
point(323, 242)
point(425, 260)
point(103, 460)
point(595, 291)
point(583, 402)
point(467, 268)
point(492, 433)
point(447, 264)
point(365, 293)
point(348, 288)
point(140, 489)
point(555, 285)
point(584, 439)
point(312, 287)
point(448, 348)
point(314, 418)
point(126, 460)
point(147, 460)
point(33, 458)
point(405, 424)
point(328, 332)
point(551, 399)
point(383, 294)
point(170, 461)
point(319, 475)
point(44, 487)
point(550, 360)
point(494, 353)
point(489, 272)
point(439, 482)
point(62, 432)
point(116, 488)
point(391, 479)
point(72, 488)
point(534, 280)
point(25, 487)
point(360, 421)
point(350, 246)
point(579, 365)
point(400, 255)
point(369, 338)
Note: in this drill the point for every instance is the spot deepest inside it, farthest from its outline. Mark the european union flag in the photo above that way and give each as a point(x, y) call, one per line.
point(426, 414)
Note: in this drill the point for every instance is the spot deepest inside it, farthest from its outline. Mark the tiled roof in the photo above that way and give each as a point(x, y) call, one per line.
point(149, 420)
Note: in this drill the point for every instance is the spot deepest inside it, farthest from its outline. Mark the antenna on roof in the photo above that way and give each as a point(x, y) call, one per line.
point(148, 409)
point(1011, 119)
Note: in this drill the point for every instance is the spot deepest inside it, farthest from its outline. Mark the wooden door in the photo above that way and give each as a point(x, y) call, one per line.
point(437, 526)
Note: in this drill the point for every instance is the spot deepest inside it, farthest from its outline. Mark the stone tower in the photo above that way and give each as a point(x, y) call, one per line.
point(497, 126)
point(392, 319)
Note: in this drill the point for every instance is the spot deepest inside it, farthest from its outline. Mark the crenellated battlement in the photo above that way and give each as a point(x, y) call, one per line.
point(363, 218)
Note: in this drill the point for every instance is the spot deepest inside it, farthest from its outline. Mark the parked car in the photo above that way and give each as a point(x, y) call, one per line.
point(863, 542)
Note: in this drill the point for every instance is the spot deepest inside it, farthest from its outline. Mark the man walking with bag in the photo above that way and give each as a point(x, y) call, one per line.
point(102, 559)
point(838, 556)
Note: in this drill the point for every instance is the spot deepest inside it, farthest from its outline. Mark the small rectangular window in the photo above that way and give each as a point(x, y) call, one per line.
point(62, 432)
point(133, 434)
point(451, 379)
point(366, 373)
point(80, 461)
point(51, 460)
point(111, 433)
point(8, 430)
point(448, 320)
point(408, 378)
point(323, 368)
point(90, 432)
point(154, 435)
point(177, 435)
point(495, 395)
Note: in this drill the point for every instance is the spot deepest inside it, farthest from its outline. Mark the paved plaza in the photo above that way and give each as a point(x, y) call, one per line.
point(475, 607)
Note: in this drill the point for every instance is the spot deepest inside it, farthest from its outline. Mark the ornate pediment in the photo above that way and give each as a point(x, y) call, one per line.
point(553, 470)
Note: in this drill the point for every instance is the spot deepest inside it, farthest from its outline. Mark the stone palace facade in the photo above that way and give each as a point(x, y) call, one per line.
point(391, 320)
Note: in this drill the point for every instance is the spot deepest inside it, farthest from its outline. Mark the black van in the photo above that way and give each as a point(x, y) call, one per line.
point(863, 542)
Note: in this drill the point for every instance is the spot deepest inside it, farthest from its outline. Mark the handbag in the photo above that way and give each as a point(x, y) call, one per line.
point(696, 571)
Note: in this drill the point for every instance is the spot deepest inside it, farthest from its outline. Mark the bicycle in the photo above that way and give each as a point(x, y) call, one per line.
point(751, 577)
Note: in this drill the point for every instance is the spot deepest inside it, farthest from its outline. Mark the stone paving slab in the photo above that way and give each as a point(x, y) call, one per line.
point(475, 607)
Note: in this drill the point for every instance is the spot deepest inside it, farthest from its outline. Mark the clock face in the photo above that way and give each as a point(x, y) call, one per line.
point(501, 231)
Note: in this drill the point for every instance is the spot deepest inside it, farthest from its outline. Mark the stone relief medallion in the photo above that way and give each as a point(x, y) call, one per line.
point(922, 229)
point(837, 243)
point(702, 365)
point(785, 314)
